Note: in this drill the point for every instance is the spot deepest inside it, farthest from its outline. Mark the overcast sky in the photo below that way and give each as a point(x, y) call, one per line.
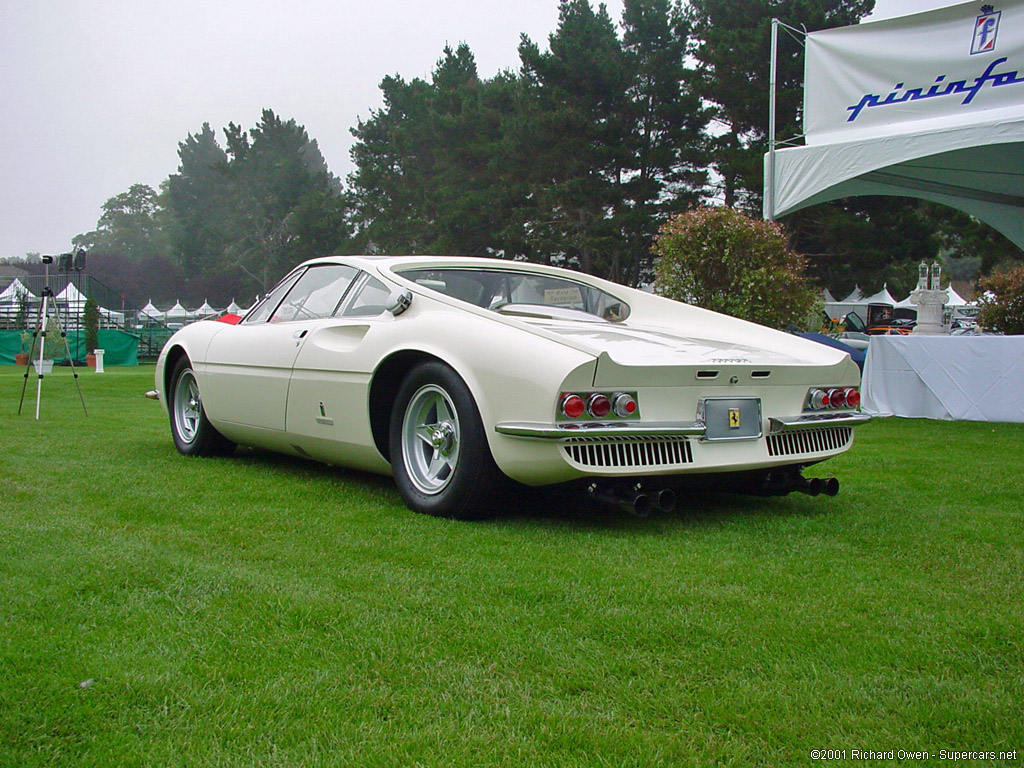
point(96, 94)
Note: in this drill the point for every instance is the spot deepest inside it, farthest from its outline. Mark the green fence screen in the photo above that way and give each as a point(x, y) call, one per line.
point(120, 348)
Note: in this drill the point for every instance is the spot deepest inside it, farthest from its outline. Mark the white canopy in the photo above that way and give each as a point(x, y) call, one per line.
point(177, 313)
point(74, 300)
point(150, 311)
point(906, 303)
point(954, 299)
point(16, 289)
point(205, 310)
point(882, 297)
point(855, 296)
point(928, 106)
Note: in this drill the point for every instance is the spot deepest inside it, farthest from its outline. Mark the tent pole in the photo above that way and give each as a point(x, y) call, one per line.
point(769, 198)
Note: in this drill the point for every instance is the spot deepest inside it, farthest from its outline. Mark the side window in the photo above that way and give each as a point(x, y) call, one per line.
point(261, 311)
point(369, 299)
point(316, 294)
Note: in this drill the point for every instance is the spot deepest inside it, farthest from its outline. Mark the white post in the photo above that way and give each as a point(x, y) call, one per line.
point(42, 344)
point(769, 197)
point(99, 360)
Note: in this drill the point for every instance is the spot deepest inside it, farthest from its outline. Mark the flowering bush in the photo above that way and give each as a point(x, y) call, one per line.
point(724, 260)
point(1002, 302)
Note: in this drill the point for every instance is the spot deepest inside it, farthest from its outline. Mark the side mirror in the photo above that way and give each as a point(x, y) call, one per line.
point(398, 302)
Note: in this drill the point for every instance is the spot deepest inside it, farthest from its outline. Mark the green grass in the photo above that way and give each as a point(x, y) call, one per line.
point(261, 611)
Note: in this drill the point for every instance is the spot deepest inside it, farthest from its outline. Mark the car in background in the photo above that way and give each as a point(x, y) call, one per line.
point(463, 377)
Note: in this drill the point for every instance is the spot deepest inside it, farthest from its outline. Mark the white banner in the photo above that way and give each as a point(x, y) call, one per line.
point(948, 63)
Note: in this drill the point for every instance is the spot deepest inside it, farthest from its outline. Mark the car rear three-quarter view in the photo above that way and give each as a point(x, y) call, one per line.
point(463, 376)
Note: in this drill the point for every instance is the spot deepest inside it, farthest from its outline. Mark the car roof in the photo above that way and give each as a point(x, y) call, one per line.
point(392, 263)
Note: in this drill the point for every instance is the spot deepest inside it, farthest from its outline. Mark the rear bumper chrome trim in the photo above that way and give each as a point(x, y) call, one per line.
point(543, 431)
point(780, 424)
point(531, 430)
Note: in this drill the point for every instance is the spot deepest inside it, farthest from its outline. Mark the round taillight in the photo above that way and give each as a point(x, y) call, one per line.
point(837, 398)
point(624, 405)
point(573, 406)
point(599, 406)
point(852, 397)
point(818, 399)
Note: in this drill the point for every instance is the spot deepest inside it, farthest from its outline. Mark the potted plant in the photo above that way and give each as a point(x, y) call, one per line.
point(21, 358)
point(91, 322)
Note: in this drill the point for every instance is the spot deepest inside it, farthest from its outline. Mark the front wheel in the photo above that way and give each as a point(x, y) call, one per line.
point(439, 453)
point(193, 434)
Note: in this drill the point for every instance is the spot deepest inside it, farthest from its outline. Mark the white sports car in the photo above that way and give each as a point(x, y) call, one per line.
point(457, 375)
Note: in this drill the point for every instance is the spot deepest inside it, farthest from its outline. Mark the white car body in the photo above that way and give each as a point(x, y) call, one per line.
point(324, 387)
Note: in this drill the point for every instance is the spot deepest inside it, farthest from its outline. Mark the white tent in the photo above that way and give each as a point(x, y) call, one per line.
point(177, 314)
point(954, 299)
point(882, 297)
point(855, 296)
point(150, 312)
point(10, 299)
point(853, 303)
point(71, 303)
point(16, 289)
point(205, 311)
point(906, 303)
point(928, 106)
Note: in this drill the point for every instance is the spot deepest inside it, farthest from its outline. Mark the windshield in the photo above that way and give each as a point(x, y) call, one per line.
point(522, 293)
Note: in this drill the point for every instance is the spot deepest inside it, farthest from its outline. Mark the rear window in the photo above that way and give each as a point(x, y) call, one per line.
point(523, 293)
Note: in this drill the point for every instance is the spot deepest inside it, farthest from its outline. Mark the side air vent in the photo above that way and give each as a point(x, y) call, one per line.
point(809, 441)
point(594, 452)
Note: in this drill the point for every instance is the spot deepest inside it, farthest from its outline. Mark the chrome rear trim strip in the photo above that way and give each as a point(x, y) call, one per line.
point(780, 424)
point(542, 431)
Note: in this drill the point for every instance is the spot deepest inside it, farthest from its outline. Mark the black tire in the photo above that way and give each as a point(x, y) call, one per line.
point(193, 434)
point(439, 453)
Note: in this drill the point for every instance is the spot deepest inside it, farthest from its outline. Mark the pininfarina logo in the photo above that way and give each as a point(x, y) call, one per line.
point(986, 27)
point(901, 94)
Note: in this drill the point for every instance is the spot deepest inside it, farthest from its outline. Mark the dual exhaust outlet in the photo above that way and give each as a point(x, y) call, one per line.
point(816, 486)
point(635, 501)
point(639, 502)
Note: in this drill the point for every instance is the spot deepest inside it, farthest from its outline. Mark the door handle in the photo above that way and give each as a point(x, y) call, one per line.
point(300, 334)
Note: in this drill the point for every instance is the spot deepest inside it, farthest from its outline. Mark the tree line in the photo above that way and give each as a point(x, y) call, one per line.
point(577, 158)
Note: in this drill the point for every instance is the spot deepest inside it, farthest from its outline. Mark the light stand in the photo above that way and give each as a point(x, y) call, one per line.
point(40, 336)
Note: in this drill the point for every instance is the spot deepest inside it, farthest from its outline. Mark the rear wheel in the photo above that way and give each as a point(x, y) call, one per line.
point(193, 434)
point(439, 452)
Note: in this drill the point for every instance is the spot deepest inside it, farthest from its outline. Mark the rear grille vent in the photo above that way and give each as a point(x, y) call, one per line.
point(809, 441)
point(595, 452)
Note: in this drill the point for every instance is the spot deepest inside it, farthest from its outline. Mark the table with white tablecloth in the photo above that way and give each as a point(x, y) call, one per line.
point(969, 378)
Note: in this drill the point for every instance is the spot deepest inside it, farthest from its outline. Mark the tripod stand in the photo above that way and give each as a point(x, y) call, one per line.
point(40, 336)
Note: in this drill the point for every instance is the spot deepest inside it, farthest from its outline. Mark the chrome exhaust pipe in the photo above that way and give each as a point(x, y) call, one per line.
point(635, 503)
point(803, 485)
point(666, 500)
point(816, 486)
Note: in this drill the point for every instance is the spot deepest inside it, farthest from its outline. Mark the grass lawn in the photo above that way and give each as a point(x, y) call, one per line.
point(260, 611)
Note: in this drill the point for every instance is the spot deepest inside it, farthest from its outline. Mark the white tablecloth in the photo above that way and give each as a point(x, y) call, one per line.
point(969, 378)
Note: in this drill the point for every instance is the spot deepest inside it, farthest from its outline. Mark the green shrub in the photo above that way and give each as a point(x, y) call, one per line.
point(723, 260)
point(91, 322)
point(1002, 302)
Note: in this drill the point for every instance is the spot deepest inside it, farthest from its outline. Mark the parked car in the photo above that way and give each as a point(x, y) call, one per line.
point(459, 375)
